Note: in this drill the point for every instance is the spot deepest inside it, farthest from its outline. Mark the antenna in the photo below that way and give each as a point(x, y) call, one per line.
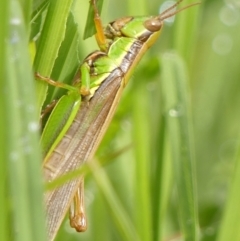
point(165, 14)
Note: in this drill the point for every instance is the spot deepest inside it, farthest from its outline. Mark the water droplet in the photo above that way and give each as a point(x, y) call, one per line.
point(15, 21)
point(176, 111)
point(30, 108)
point(222, 44)
point(229, 15)
point(14, 37)
point(33, 126)
point(164, 7)
point(14, 57)
point(25, 144)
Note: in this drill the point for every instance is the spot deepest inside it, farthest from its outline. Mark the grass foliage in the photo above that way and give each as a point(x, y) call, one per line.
point(171, 154)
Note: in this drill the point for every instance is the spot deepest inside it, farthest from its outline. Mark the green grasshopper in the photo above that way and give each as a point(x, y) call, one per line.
point(86, 111)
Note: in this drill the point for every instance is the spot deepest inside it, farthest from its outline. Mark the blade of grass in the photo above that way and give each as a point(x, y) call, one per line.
point(163, 187)
point(51, 38)
point(20, 135)
point(179, 126)
point(229, 228)
point(120, 216)
point(4, 204)
point(185, 28)
point(141, 142)
point(67, 62)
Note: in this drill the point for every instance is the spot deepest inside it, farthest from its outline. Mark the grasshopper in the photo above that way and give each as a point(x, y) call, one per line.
point(89, 106)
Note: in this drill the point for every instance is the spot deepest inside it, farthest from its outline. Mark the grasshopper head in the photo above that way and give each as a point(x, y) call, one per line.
point(141, 27)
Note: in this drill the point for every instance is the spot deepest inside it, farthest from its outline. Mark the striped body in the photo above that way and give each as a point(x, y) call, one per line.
point(128, 39)
point(84, 135)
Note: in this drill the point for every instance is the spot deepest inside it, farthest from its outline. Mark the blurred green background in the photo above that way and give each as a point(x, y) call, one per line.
point(172, 149)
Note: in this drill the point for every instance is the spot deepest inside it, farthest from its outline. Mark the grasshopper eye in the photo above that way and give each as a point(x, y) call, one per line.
point(153, 25)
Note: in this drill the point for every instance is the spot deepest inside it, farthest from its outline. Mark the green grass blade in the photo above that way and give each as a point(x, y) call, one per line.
point(229, 228)
point(121, 218)
point(19, 139)
point(4, 201)
point(68, 60)
point(164, 176)
point(185, 28)
point(51, 38)
point(179, 125)
point(141, 141)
